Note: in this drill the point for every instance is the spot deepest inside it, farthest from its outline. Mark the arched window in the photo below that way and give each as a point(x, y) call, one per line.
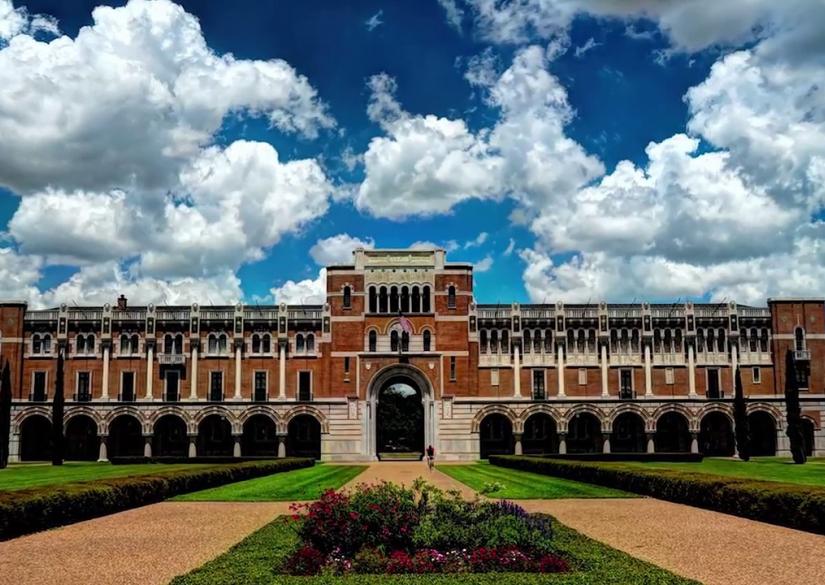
point(256, 343)
point(668, 341)
point(763, 341)
point(394, 300)
point(700, 340)
point(678, 341)
point(373, 340)
point(626, 346)
point(710, 338)
point(124, 344)
point(527, 341)
point(373, 300)
point(299, 344)
point(657, 340)
point(266, 343)
point(799, 338)
point(425, 299)
point(571, 340)
point(394, 340)
point(537, 341)
point(505, 342)
point(405, 341)
point(753, 340)
point(81, 343)
point(427, 340)
point(37, 346)
point(614, 341)
point(591, 341)
point(416, 300)
point(213, 343)
point(494, 341)
point(483, 339)
point(222, 343)
point(548, 341)
point(167, 343)
point(451, 297)
point(721, 341)
point(310, 343)
point(47, 343)
point(405, 299)
point(382, 299)
point(634, 341)
point(347, 297)
point(580, 341)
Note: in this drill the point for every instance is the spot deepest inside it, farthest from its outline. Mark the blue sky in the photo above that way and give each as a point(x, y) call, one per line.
point(626, 77)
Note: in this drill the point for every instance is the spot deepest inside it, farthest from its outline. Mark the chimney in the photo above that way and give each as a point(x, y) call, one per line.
point(121, 303)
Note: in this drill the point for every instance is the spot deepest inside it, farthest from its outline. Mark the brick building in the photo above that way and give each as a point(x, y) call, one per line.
point(401, 356)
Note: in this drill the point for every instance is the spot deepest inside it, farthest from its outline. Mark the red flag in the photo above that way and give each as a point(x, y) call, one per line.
point(406, 324)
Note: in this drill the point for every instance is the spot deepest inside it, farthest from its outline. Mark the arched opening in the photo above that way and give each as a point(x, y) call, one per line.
point(763, 433)
point(260, 437)
point(399, 418)
point(125, 437)
point(36, 439)
point(628, 434)
point(540, 436)
point(584, 434)
point(716, 435)
point(496, 433)
point(304, 437)
point(215, 437)
point(81, 439)
point(808, 436)
point(169, 438)
point(672, 433)
point(373, 301)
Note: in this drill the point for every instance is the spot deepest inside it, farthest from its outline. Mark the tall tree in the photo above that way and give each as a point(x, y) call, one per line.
point(5, 414)
point(58, 410)
point(740, 420)
point(793, 409)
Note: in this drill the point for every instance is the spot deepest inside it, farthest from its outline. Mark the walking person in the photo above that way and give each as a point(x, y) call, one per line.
point(430, 457)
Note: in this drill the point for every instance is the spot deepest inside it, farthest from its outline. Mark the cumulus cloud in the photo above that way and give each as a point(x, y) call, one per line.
point(453, 13)
point(337, 250)
point(15, 21)
point(303, 292)
point(484, 264)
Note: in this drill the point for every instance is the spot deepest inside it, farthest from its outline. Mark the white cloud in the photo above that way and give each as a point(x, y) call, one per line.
point(303, 292)
point(374, 21)
point(510, 247)
point(454, 14)
point(589, 45)
point(15, 21)
point(484, 264)
point(477, 241)
point(448, 246)
point(19, 275)
point(337, 250)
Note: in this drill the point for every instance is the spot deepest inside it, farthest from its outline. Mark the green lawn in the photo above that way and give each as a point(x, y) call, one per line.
point(257, 559)
point(762, 468)
point(523, 485)
point(302, 484)
point(20, 476)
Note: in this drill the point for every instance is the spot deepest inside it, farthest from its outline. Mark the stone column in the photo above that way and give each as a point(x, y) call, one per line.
point(150, 361)
point(517, 437)
point(281, 446)
point(282, 370)
point(562, 443)
point(648, 372)
point(605, 442)
point(105, 380)
point(605, 370)
point(238, 372)
point(734, 363)
point(694, 442)
point(193, 386)
point(516, 372)
point(14, 448)
point(193, 446)
point(651, 444)
point(691, 372)
point(103, 454)
point(236, 450)
point(147, 446)
point(560, 370)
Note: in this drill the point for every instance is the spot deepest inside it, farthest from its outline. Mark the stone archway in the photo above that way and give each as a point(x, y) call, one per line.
point(400, 412)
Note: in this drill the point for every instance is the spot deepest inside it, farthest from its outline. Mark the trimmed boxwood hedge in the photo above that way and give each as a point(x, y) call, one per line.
point(796, 506)
point(34, 509)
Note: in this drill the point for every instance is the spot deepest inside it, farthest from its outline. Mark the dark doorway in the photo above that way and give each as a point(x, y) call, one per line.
point(170, 439)
point(36, 439)
point(172, 386)
point(628, 434)
point(400, 419)
point(125, 437)
point(304, 437)
point(539, 435)
point(672, 433)
point(716, 435)
point(81, 439)
point(584, 434)
point(260, 437)
point(496, 436)
point(713, 383)
point(215, 437)
point(763, 433)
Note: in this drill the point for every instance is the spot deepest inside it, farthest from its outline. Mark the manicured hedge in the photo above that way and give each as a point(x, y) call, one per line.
point(34, 509)
point(793, 505)
point(186, 459)
point(667, 457)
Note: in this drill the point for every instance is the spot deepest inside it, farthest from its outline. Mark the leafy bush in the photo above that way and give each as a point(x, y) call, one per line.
point(44, 507)
point(792, 505)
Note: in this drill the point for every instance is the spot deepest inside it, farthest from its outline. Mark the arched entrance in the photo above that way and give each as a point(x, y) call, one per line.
point(672, 433)
point(303, 438)
point(125, 437)
point(215, 437)
point(716, 435)
point(260, 437)
point(400, 413)
point(36, 439)
point(808, 436)
point(496, 434)
point(81, 439)
point(169, 438)
point(628, 434)
point(584, 434)
point(763, 433)
point(539, 435)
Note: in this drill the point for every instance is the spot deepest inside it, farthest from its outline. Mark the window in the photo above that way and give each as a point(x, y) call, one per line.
point(373, 340)
point(305, 386)
point(669, 376)
point(405, 341)
point(494, 377)
point(84, 387)
point(757, 375)
point(213, 344)
point(394, 340)
point(427, 340)
point(173, 344)
point(127, 387)
point(527, 341)
point(124, 344)
point(713, 383)
point(256, 343)
point(373, 300)
point(266, 343)
point(172, 386)
point(85, 344)
point(346, 368)
point(299, 344)
point(452, 369)
point(310, 343)
point(538, 385)
point(347, 297)
point(626, 383)
point(425, 299)
point(393, 300)
point(799, 338)
point(537, 342)
point(41, 344)
point(451, 297)
point(382, 299)
point(222, 343)
point(216, 386)
point(582, 376)
point(260, 393)
point(416, 300)
point(405, 299)
point(483, 341)
point(39, 387)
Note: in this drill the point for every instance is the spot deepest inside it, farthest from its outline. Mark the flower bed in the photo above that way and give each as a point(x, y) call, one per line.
point(387, 529)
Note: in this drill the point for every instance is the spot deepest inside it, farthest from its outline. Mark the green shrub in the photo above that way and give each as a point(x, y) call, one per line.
point(796, 506)
point(34, 509)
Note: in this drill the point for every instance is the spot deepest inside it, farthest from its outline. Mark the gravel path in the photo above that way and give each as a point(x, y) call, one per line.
point(404, 472)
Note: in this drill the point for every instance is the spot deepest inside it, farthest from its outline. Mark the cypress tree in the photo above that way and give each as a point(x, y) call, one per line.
point(57, 411)
point(740, 420)
point(794, 410)
point(5, 415)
